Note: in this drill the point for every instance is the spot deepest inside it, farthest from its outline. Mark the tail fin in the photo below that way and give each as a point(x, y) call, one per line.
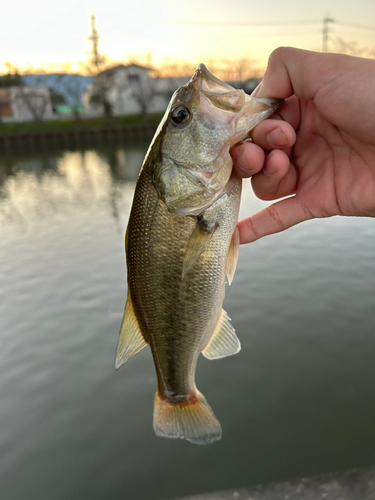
point(193, 419)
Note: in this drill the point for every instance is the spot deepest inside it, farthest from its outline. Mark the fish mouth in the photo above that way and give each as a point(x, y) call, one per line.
point(207, 82)
point(221, 94)
point(225, 96)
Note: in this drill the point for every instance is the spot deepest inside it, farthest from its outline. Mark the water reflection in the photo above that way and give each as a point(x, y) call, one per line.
point(298, 400)
point(32, 188)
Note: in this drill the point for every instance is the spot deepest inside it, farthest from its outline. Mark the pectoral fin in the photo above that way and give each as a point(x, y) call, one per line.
point(131, 339)
point(232, 257)
point(197, 244)
point(224, 341)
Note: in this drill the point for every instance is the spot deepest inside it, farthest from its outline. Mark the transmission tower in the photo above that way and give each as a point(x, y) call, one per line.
point(326, 22)
point(97, 60)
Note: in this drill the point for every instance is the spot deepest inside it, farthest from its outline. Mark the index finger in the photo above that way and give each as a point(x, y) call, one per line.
point(295, 71)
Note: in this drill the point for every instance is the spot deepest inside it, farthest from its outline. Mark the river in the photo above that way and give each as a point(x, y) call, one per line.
point(299, 399)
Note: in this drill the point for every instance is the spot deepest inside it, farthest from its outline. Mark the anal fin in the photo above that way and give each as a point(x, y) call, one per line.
point(224, 341)
point(131, 339)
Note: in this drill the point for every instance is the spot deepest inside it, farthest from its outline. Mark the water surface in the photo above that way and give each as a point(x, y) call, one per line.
point(299, 399)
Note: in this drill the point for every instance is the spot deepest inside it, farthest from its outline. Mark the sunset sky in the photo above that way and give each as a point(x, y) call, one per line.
point(42, 32)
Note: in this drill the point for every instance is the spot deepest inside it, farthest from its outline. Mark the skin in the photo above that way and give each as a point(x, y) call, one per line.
point(318, 149)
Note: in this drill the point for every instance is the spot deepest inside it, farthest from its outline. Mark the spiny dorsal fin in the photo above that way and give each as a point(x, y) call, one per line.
point(224, 341)
point(232, 257)
point(197, 244)
point(131, 339)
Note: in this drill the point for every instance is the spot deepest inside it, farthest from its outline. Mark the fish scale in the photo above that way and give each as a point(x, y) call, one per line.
point(181, 243)
point(158, 289)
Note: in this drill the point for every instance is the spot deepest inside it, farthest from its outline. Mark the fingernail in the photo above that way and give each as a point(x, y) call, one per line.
point(256, 90)
point(269, 168)
point(277, 138)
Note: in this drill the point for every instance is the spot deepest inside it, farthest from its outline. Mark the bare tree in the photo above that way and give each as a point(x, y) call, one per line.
point(34, 99)
point(225, 69)
point(72, 86)
point(143, 91)
point(12, 78)
point(352, 48)
point(175, 69)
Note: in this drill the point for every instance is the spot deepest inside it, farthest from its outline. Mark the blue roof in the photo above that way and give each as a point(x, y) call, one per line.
point(70, 86)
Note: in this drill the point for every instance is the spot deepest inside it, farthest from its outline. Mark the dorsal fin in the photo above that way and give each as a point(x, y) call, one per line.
point(131, 339)
point(224, 341)
point(232, 256)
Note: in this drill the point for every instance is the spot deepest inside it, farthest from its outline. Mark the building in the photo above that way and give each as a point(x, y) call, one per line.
point(129, 89)
point(70, 86)
point(22, 104)
point(5, 104)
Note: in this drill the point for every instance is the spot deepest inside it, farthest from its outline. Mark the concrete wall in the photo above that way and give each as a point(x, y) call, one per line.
point(355, 484)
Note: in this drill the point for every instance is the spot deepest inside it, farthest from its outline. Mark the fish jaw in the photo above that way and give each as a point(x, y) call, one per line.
point(207, 82)
point(253, 112)
point(193, 163)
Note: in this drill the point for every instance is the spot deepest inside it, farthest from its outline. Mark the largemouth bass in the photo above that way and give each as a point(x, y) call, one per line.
point(181, 243)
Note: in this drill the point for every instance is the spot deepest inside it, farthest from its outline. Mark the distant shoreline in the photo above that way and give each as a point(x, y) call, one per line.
point(51, 135)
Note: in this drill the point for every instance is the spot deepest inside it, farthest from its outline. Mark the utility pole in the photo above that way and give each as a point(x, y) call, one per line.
point(97, 59)
point(326, 21)
point(102, 84)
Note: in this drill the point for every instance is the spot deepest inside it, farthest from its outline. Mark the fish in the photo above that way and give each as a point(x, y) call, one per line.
point(182, 245)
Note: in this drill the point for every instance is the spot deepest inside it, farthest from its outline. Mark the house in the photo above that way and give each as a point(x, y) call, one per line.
point(70, 86)
point(5, 105)
point(129, 89)
point(22, 104)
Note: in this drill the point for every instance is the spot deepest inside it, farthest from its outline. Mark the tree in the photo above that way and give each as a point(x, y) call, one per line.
point(143, 91)
point(71, 86)
point(352, 48)
point(57, 99)
point(11, 80)
point(35, 100)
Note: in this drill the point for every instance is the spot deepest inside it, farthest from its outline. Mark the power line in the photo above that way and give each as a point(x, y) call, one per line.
point(243, 23)
point(359, 26)
point(297, 22)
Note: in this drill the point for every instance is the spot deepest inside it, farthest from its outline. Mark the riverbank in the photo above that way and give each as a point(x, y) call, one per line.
point(83, 133)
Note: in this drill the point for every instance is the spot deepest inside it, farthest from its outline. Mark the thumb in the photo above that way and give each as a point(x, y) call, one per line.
point(273, 219)
point(295, 71)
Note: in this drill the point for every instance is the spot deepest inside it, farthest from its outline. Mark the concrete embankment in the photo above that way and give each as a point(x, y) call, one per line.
point(37, 141)
point(355, 484)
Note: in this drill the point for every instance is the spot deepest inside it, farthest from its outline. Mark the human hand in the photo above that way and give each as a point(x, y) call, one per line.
point(320, 143)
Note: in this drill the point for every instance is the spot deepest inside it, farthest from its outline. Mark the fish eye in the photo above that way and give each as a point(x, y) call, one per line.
point(180, 115)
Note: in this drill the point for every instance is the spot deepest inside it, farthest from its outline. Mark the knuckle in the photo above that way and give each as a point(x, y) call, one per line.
point(275, 217)
point(276, 55)
point(265, 192)
point(303, 208)
point(251, 228)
